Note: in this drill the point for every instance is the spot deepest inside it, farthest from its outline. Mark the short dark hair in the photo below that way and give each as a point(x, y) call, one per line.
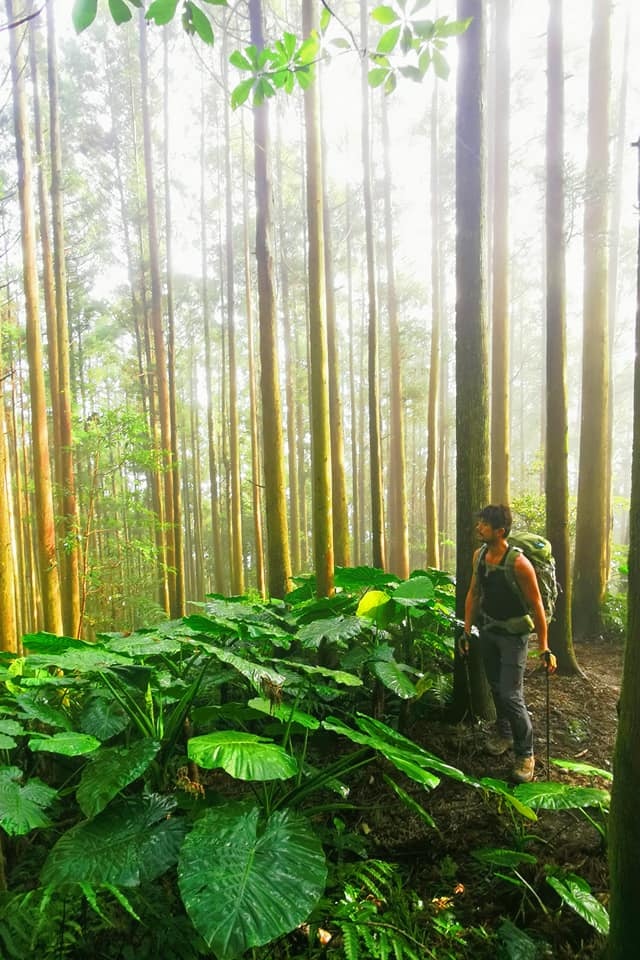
point(497, 515)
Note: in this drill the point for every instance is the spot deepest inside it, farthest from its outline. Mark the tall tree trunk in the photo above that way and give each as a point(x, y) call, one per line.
point(341, 548)
point(472, 408)
point(624, 825)
point(557, 429)
point(70, 518)
point(216, 533)
point(430, 486)
point(279, 566)
point(8, 636)
point(256, 476)
point(237, 568)
point(320, 430)
point(356, 460)
point(178, 599)
point(375, 452)
point(45, 523)
point(500, 433)
point(159, 348)
point(592, 525)
point(398, 521)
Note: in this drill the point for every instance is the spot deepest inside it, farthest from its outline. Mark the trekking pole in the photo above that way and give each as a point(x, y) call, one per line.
point(547, 661)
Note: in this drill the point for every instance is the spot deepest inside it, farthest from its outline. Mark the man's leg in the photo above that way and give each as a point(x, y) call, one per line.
point(513, 661)
point(491, 652)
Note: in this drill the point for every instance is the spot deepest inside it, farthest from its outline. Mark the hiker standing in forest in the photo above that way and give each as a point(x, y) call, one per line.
point(506, 613)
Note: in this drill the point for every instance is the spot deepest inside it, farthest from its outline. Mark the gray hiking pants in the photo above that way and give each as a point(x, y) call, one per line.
point(504, 657)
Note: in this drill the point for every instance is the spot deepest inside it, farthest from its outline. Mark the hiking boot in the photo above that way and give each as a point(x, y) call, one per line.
point(497, 744)
point(523, 769)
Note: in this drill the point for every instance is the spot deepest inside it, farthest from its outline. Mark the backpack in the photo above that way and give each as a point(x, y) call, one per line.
point(538, 551)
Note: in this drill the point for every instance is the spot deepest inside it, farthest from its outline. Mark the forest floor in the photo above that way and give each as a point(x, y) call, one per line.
point(582, 728)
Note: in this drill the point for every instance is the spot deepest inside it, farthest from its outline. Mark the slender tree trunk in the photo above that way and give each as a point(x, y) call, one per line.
point(279, 567)
point(256, 475)
point(237, 567)
point(398, 520)
point(159, 348)
point(592, 524)
point(320, 429)
point(430, 486)
point(8, 635)
point(178, 599)
point(216, 532)
point(341, 546)
point(45, 524)
point(557, 430)
point(375, 453)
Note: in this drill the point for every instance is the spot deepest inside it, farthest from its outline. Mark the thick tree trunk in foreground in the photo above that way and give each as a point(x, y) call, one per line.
point(500, 433)
point(624, 824)
point(472, 402)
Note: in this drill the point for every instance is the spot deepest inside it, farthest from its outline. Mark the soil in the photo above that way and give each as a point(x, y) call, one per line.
point(439, 864)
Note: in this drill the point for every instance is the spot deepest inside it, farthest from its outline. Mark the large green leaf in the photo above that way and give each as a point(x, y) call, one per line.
point(22, 806)
point(84, 13)
point(285, 712)
point(576, 892)
point(501, 857)
point(338, 676)
point(337, 630)
point(244, 881)
point(561, 796)
point(87, 660)
point(37, 709)
point(103, 716)
point(51, 643)
point(67, 744)
point(356, 579)
point(110, 771)
point(376, 606)
point(244, 756)
point(130, 842)
point(144, 645)
point(394, 678)
point(415, 592)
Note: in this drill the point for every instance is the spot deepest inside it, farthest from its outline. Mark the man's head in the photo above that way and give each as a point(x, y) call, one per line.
point(497, 516)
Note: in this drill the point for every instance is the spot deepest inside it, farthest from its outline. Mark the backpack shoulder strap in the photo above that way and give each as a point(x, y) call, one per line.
point(479, 562)
point(510, 558)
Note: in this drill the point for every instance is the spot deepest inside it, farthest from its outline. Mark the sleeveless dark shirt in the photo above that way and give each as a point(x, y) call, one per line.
point(498, 600)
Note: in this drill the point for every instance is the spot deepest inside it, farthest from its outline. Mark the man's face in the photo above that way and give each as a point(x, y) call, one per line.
point(487, 533)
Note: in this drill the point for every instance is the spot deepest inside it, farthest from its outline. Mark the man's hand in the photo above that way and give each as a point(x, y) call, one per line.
point(464, 640)
point(549, 660)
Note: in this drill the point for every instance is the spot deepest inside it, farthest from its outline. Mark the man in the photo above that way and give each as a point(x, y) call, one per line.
point(506, 619)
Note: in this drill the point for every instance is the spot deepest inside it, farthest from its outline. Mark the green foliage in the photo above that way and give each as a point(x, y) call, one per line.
point(230, 865)
point(576, 893)
point(22, 805)
point(148, 746)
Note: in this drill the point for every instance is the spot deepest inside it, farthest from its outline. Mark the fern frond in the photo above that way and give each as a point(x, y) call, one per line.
point(351, 941)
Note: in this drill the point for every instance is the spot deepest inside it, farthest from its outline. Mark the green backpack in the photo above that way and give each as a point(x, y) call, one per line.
point(538, 551)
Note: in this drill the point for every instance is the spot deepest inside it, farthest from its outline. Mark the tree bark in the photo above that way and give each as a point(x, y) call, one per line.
point(472, 405)
point(557, 426)
point(592, 524)
point(500, 372)
point(624, 825)
point(398, 520)
point(278, 562)
point(45, 523)
point(375, 453)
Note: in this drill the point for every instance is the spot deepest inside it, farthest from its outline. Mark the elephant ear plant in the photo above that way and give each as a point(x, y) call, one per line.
point(201, 756)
